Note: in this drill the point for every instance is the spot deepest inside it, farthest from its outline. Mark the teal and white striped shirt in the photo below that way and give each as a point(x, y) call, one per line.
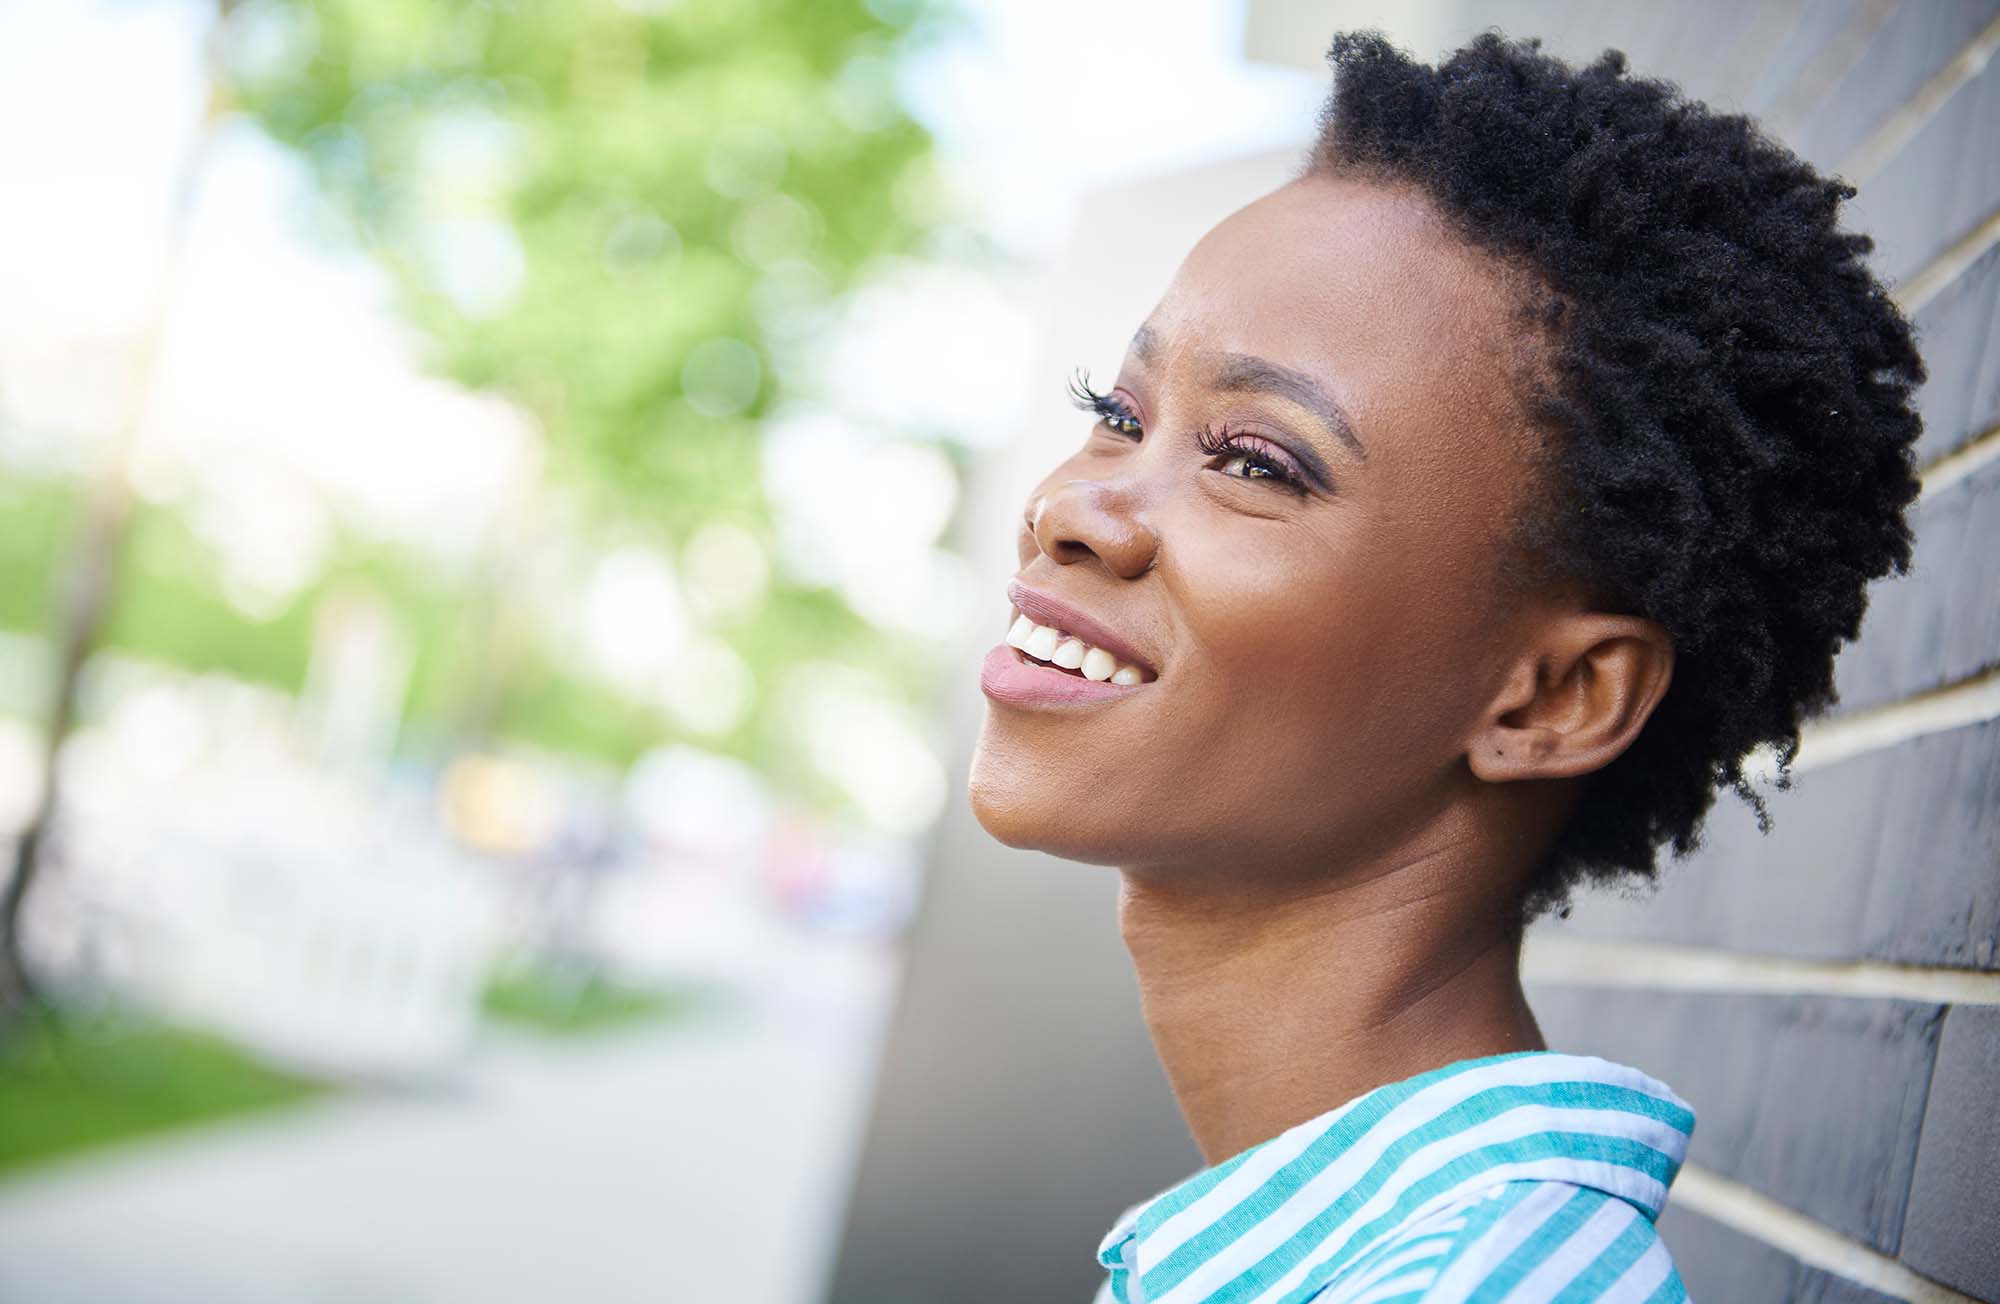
point(1528, 1178)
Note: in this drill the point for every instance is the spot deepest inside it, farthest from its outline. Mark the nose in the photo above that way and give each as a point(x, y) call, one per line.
point(1089, 518)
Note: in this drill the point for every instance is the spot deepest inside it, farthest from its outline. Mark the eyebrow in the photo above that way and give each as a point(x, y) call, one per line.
point(1245, 373)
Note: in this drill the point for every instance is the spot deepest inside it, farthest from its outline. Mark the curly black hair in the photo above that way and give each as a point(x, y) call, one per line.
point(1724, 392)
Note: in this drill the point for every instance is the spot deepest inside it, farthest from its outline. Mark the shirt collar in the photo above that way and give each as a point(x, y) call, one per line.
point(1392, 1155)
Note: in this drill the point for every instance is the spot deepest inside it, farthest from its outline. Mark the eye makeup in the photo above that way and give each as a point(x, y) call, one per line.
point(1261, 458)
point(1113, 411)
point(1258, 457)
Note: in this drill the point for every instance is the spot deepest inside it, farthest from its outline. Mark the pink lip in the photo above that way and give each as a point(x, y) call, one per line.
point(1009, 678)
point(1045, 610)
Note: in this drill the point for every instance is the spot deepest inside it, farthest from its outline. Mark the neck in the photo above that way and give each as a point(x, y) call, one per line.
point(1268, 1009)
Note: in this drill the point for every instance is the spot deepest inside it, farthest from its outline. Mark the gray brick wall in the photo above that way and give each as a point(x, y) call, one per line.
point(1841, 1043)
point(1952, 1227)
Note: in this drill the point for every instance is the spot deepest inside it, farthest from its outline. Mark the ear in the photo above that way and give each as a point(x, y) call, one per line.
point(1575, 700)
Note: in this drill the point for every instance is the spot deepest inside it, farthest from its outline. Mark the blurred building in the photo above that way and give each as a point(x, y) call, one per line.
point(1825, 996)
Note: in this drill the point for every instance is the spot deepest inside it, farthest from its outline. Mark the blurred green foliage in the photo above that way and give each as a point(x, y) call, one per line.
point(620, 216)
point(169, 603)
point(41, 516)
point(611, 213)
point(646, 181)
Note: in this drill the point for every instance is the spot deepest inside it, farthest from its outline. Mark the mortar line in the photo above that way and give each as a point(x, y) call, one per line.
point(1925, 284)
point(1837, 56)
point(1563, 960)
point(1965, 460)
point(1908, 118)
point(1811, 1242)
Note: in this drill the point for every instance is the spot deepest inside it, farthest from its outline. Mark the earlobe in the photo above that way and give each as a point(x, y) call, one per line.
point(1576, 701)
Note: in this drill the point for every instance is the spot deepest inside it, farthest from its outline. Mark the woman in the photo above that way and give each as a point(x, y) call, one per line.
point(1463, 515)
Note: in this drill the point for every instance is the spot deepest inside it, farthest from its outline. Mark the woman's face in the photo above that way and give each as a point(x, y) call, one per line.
point(1317, 653)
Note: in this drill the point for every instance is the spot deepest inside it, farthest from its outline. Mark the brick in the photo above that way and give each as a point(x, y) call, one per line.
point(1720, 1263)
point(1680, 43)
point(1935, 189)
point(1939, 623)
point(1815, 1101)
point(1893, 855)
point(1958, 333)
point(1935, 895)
point(1913, 42)
point(1796, 891)
point(1817, 1287)
point(1840, 1110)
point(1953, 1228)
point(1816, 26)
point(1717, 1262)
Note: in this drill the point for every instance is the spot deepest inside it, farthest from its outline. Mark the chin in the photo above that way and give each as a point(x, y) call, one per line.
point(1024, 805)
point(1001, 820)
point(993, 788)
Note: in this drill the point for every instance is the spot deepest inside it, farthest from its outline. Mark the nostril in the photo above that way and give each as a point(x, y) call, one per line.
point(1081, 519)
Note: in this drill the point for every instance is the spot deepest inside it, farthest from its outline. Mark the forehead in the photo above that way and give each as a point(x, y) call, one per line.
point(1362, 287)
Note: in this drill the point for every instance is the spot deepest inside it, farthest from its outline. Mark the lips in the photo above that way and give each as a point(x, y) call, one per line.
point(1057, 656)
point(1054, 613)
point(1010, 678)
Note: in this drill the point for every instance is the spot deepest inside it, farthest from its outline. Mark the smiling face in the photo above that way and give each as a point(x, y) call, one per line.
point(1290, 516)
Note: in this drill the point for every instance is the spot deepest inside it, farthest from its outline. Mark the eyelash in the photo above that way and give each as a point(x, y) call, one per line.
point(1116, 416)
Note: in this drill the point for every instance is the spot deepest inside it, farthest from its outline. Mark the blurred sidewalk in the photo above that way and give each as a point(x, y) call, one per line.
point(699, 1160)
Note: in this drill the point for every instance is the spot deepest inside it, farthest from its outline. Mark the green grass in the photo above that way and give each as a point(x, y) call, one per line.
point(549, 1000)
point(71, 1082)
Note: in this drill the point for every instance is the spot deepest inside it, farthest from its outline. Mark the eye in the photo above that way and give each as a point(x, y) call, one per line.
point(1253, 460)
point(1109, 409)
point(1243, 456)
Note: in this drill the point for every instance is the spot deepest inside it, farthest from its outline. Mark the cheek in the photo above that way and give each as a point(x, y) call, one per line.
point(1346, 661)
point(1325, 622)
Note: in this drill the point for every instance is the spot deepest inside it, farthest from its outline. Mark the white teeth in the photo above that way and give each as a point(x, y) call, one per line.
point(1047, 643)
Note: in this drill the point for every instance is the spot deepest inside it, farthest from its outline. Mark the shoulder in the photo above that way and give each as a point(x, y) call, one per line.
point(1526, 1242)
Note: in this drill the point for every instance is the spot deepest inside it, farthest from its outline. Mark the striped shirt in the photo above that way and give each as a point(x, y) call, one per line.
point(1530, 1178)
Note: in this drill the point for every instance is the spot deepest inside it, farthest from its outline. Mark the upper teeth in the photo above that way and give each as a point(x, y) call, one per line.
point(1045, 643)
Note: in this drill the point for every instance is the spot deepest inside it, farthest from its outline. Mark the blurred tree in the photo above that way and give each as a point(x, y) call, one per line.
point(613, 214)
point(88, 580)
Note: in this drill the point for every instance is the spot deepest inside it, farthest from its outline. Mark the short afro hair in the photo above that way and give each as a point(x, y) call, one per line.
point(1724, 397)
